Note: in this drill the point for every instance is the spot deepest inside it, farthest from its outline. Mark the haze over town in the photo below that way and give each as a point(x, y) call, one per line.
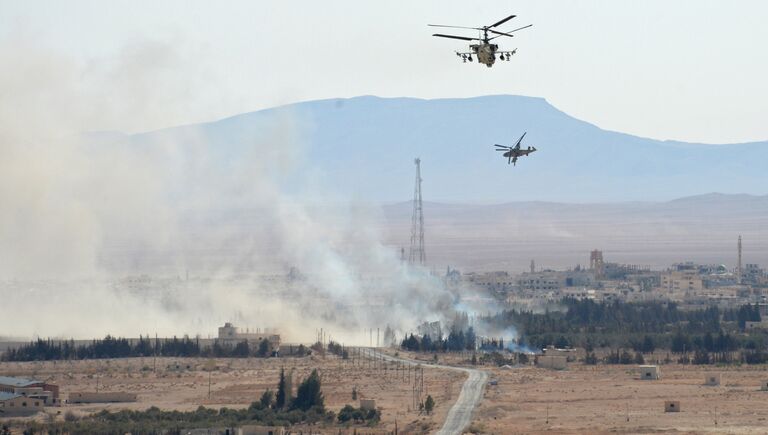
point(336, 203)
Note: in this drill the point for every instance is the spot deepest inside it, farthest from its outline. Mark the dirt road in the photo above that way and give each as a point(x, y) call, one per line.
point(460, 415)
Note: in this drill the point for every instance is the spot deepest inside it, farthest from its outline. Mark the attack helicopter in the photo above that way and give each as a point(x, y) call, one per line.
point(512, 153)
point(485, 51)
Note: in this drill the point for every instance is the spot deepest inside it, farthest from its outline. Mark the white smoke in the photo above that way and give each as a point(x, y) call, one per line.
point(80, 212)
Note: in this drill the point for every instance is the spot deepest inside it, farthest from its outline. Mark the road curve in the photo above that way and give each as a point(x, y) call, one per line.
point(460, 415)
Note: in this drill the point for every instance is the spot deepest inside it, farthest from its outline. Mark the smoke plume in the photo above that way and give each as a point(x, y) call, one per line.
point(102, 234)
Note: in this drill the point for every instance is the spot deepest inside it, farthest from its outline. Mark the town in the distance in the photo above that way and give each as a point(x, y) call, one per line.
point(383, 218)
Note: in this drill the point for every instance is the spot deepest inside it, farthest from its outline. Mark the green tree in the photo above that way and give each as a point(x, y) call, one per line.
point(639, 358)
point(590, 359)
point(309, 394)
point(648, 345)
point(588, 346)
point(522, 358)
point(282, 395)
point(263, 350)
point(267, 399)
point(242, 349)
point(429, 404)
point(625, 358)
point(346, 413)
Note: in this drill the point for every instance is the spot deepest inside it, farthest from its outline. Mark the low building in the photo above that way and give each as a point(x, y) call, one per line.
point(712, 380)
point(569, 354)
point(682, 281)
point(12, 404)
point(764, 385)
point(541, 281)
point(497, 282)
point(232, 335)
point(210, 431)
point(367, 404)
point(260, 430)
point(752, 325)
point(101, 397)
point(672, 406)
point(553, 362)
point(650, 373)
point(34, 389)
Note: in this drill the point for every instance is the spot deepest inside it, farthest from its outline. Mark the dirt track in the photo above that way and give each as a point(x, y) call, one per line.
point(460, 415)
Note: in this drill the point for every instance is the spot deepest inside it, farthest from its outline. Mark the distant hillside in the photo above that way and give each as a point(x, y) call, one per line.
point(507, 236)
point(585, 188)
point(372, 142)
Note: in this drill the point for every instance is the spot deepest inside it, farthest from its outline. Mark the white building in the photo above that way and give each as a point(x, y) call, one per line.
point(650, 373)
point(230, 334)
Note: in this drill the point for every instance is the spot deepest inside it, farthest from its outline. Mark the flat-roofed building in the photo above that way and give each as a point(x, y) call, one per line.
point(541, 281)
point(230, 334)
point(650, 372)
point(101, 397)
point(682, 281)
point(48, 393)
point(12, 404)
point(713, 379)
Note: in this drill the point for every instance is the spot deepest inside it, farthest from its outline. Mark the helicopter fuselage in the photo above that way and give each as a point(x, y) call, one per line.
point(486, 53)
point(518, 152)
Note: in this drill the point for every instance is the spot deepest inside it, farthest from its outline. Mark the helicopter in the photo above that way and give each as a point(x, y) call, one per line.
point(512, 153)
point(485, 51)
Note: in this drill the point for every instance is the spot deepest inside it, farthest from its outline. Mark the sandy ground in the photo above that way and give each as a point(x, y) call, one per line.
point(238, 382)
point(600, 399)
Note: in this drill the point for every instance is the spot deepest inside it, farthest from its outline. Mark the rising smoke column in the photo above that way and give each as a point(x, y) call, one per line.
point(76, 204)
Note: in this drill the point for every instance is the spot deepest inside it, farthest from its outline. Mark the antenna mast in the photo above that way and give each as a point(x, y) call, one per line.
point(417, 254)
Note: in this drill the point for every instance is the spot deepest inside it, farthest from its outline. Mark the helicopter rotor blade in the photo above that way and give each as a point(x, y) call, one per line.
point(500, 33)
point(463, 38)
point(519, 28)
point(455, 27)
point(503, 21)
point(521, 139)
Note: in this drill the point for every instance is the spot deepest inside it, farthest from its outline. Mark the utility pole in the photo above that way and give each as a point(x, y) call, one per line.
point(154, 360)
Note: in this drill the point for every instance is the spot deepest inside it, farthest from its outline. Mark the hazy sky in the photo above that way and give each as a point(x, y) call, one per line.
point(689, 70)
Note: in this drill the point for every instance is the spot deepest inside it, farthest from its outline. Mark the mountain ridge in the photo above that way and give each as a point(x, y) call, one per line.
point(372, 141)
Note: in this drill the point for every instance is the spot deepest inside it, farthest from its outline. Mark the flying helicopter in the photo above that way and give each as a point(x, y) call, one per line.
point(512, 153)
point(485, 51)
